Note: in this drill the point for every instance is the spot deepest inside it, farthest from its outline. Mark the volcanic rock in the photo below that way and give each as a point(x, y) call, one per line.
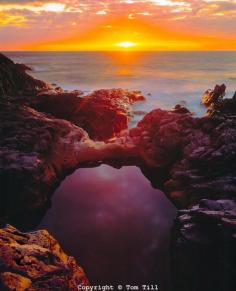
point(24, 67)
point(37, 151)
point(103, 114)
point(196, 156)
point(203, 247)
point(213, 96)
point(15, 82)
point(216, 103)
point(192, 158)
point(35, 261)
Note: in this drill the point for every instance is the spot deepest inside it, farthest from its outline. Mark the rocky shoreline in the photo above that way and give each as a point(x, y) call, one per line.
point(47, 133)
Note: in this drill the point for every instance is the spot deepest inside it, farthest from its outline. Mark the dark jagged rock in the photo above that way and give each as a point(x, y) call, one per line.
point(180, 109)
point(15, 82)
point(214, 96)
point(24, 67)
point(203, 247)
point(197, 155)
point(216, 103)
point(103, 114)
point(35, 261)
point(36, 152)
point(110, 108)
point(58, 103)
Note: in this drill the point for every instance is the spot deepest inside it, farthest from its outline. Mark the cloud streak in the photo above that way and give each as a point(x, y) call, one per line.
point(89, 21)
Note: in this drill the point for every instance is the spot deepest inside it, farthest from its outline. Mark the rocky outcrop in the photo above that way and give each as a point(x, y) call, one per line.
point(14, 81)
point(194, 156)
point(36, 152)
point(203, 247)
point(216, 103)
point(35, 261)
point(189, 158)
point(23, 67)
point(214, 96)
point(103, 114)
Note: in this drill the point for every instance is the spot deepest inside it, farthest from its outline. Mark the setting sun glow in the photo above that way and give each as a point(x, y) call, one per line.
point(126, 44)
point(124, 25)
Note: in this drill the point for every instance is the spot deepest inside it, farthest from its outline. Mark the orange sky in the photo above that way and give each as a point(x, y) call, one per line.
point(117, 25)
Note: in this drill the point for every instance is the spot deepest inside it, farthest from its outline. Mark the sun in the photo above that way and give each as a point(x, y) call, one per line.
point(126, 44)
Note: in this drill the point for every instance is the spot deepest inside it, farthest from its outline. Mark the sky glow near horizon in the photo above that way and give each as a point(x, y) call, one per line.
point(102, 25)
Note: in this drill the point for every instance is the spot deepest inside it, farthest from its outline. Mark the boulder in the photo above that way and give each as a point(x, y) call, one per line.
point(214, 96)
point(35, 261)
point(216, 103)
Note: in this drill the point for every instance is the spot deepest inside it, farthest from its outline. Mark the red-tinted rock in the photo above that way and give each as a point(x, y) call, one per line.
point(15, 82)
point(103, 114)
point(37, 151)
point(216, 104)
point(213, 96)
point(35, 261)
point(24, 67)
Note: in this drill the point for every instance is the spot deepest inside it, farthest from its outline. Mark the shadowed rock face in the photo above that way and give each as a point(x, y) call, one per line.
point(35, 151)
point(35, 261)
point(196, 155)
point(216, 103)
point(103, 114)
point(203, 247)
point(214, 96)
point(14, 81)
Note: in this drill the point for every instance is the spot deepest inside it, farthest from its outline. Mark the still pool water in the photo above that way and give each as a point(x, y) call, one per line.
point(115, 224)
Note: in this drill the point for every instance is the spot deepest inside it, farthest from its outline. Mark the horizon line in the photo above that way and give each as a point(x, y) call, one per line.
point(124, 50)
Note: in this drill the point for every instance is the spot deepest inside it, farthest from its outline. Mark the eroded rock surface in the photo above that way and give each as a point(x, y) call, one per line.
point(203, 247)
point(196, 156)
point(103, 114)
point(35, 261)
point(216, 103)
point(37, 151)
point(14, 81)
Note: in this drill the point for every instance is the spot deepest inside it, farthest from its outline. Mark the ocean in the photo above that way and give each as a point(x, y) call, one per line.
point(165, 78)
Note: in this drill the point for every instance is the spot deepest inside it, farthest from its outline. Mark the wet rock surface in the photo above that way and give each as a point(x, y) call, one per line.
point(216, 102)
point(195, 155)
point(14, 81)
point(103, 114)
point(35, 151)
point(190, 158)
point(35, 261)
point(203, 247)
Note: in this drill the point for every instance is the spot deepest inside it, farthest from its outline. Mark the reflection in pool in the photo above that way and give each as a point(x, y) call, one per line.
point(115, 224)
